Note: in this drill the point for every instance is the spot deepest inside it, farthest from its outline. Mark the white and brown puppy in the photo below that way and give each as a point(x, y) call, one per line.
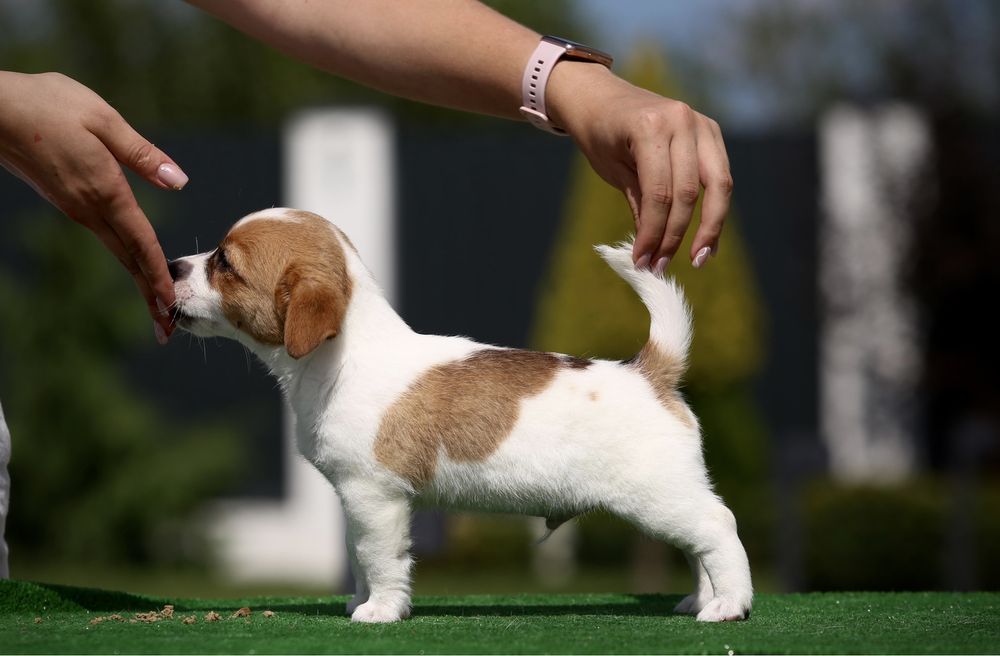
point(395, 419)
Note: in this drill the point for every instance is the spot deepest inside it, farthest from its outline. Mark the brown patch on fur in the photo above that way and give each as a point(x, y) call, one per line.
point(287, 282)
point(303, 215)
point(592, 396)
point(466, 407)
point(574, 362)
point(664, 374)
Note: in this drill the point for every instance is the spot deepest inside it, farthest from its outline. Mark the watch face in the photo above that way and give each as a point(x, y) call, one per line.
point(576, 50)
point(571, 44)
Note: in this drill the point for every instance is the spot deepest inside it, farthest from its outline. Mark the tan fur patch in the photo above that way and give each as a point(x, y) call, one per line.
point(664, 374)
point(268, 259)
point(466, 407)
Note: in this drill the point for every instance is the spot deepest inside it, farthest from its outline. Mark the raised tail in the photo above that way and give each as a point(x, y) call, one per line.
point(664, 357)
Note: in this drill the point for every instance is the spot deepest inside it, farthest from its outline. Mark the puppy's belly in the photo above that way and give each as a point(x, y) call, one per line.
point(496, 487)
point(562, 459)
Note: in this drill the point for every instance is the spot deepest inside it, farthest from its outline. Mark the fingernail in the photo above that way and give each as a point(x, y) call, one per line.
point(643, 262)
point(161, 335)
point(701, 256)
point(172, 176)
point(660, 265)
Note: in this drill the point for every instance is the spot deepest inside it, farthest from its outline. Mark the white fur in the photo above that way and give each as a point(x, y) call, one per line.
point(567, 454)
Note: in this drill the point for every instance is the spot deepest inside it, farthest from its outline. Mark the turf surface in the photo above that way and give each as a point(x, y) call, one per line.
point(47, 618)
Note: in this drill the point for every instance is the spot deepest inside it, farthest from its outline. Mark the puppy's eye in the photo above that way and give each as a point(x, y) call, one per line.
point(221, 263)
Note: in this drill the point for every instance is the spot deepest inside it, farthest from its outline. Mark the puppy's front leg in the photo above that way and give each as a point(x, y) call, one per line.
point(360, 582)
point(379, 524)
point(703, 590)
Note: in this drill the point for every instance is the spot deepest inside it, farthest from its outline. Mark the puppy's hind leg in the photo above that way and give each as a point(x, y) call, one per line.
point(704, 528)
point(703, 591)
point(379, 523)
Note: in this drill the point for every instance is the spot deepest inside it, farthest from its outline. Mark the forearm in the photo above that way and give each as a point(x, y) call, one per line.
point(462, 54)
point(453, 53)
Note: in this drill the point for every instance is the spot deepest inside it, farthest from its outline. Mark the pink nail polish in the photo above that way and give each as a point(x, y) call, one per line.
point(643, 262)
point(172, 176)
point(661, 265)
point(701, 256)
point(161, 336)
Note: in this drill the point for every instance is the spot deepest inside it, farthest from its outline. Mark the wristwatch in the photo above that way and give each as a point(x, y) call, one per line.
point(536, 75)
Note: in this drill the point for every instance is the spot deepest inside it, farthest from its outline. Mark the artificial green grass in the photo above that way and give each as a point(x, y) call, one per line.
point(903, 623)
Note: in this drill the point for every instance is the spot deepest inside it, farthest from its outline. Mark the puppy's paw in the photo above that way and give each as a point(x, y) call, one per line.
point(355, 601)
point(725, 609)
point(693, 603)
point(376, 612)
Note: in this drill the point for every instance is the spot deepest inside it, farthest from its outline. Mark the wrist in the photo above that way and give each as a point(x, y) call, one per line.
point(574, 87)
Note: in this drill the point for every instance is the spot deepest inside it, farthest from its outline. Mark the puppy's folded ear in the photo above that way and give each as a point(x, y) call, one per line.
point(311, 307)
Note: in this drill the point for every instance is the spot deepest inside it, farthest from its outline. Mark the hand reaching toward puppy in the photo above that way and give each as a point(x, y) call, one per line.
point(659, 152)
point(68, 144)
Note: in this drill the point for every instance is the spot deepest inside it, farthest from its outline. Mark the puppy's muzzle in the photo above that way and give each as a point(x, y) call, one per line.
point(179, 269)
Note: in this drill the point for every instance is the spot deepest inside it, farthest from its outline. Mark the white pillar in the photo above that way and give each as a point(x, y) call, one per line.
point(872, 164)
point(338, 164)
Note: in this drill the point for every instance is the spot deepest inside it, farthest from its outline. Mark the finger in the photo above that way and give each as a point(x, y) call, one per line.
point(632, 195)
point(652, 161)
point(714, 173)
point(113, 243)
point(123, 215)
point(684, 165)
point(134, 151)
point(626, 179)
point(99, 196)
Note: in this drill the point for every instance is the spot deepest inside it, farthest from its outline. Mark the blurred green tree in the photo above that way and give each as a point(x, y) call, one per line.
point(98, 473)
point(789, 61)
point(585, 309)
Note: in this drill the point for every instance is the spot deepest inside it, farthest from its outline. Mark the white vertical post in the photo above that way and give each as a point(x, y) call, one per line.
point(872, 163)
point(339, 164)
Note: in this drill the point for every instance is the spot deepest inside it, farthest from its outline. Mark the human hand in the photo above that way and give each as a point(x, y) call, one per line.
point(67, 143)
point(658, 151)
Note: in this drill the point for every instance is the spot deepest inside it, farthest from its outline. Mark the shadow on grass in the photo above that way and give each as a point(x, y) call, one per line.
point(28, 596)
point(640, 606)
point(25, 596)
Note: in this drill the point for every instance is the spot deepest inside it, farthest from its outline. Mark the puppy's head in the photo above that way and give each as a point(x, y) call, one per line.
point(278, 279)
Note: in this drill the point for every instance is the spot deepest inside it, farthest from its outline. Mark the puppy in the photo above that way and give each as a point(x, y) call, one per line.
point(396, 419)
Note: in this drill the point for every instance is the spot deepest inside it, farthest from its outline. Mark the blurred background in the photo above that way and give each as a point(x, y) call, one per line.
point(845, 358)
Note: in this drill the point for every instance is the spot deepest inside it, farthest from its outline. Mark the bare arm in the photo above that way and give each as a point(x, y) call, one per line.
point(464, 55)
point(452, 53)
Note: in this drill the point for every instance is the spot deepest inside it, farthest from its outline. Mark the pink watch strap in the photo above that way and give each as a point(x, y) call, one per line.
point(536, 77)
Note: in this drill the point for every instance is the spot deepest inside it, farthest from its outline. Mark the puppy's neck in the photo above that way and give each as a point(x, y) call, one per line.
point(371, 330)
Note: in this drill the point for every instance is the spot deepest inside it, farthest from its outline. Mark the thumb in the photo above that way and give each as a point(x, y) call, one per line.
point(134, 151)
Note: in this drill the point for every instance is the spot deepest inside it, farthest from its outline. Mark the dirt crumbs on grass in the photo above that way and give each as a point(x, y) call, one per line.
point(167, 613)
point(148, 618)
point(38, 620)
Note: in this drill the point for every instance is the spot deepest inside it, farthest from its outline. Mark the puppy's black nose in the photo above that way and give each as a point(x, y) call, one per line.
point(179, 269)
